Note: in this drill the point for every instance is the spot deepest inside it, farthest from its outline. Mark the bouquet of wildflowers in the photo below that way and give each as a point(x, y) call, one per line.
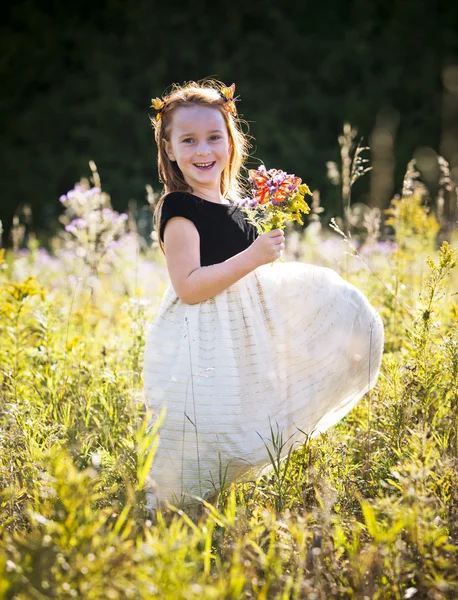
point(277, 197)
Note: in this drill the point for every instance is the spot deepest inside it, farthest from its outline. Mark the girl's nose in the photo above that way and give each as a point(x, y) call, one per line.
point(202, 149)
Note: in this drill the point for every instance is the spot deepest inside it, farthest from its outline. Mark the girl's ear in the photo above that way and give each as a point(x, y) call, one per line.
point(168, 149)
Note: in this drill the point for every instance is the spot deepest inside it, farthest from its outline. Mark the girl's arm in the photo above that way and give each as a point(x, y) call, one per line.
point(193, 283)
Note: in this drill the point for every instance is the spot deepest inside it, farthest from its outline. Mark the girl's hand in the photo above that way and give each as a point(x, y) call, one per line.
point(267, 247)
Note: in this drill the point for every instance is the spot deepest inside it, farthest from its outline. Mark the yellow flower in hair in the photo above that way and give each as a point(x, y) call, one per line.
point(227, 93)
point(158, 104)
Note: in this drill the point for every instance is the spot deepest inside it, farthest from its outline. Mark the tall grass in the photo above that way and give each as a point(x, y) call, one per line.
point(366, 510)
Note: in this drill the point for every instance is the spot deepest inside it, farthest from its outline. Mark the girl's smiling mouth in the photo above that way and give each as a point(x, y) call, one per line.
point(205, 166)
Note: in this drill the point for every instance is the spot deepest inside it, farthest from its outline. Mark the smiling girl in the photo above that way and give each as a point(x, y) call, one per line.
point(238, 345)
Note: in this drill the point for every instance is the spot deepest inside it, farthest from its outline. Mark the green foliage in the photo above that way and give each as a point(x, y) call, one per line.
point(367, 509)
point(71, 545)
point(85, 91)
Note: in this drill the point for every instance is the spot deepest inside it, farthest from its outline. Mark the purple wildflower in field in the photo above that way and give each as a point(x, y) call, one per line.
point(332, 248)
point(384, 248)
point(92, 228)
point(92, 191)
point(38, 263)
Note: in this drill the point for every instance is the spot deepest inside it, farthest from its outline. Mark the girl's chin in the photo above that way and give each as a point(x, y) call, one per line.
point(207, 175)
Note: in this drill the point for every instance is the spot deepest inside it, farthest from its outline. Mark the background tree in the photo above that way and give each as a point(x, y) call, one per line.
point(77, 80)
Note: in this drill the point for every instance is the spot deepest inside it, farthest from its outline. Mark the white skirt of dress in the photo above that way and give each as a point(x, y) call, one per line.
point(290, 346)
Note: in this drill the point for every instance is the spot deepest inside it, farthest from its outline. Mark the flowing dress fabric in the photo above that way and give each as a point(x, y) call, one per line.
point(290, 346)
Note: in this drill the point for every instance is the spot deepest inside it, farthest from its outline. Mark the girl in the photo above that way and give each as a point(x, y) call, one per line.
point(238, 345)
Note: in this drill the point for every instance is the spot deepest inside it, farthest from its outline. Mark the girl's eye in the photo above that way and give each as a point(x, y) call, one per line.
point(213, 137)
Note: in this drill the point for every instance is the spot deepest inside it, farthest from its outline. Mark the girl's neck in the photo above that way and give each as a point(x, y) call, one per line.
point(212, 195)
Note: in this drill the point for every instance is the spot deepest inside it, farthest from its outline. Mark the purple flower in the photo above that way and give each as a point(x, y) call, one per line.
point(80, 223)
point(383, 248)
point(386, 247)
point(92, 191)
point(113, 216)
point(63, 199)
point(113, 244)
point(76, 224)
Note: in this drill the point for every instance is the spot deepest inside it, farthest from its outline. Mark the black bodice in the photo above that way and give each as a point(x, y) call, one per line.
point(223, 228)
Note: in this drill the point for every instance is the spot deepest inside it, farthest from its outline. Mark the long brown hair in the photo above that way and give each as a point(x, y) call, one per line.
point(203, 93)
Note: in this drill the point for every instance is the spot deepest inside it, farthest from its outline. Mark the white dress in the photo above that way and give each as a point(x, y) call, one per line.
point(290, 345)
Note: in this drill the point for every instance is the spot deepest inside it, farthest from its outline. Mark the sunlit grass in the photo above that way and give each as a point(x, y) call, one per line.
point(367, 509)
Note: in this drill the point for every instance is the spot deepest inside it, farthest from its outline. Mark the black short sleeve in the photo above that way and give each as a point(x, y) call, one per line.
point(177, 204)
point(223, 228)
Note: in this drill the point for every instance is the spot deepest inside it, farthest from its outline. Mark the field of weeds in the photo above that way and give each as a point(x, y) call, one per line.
point(366, 510)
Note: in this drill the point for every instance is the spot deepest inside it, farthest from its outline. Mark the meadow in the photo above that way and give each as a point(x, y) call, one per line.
point(367, 510)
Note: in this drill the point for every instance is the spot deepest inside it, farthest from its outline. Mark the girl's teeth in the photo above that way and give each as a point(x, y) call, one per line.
point(204, 165)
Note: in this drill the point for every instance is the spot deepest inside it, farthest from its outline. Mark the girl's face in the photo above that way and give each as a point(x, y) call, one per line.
point(199, 143)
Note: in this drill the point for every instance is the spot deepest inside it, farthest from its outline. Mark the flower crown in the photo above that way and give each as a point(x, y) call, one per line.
point(226, 93)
